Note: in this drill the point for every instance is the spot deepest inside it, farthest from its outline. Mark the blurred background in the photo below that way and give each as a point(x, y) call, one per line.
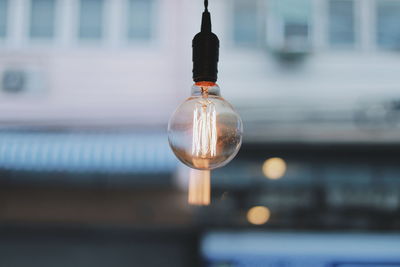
point(86, 174)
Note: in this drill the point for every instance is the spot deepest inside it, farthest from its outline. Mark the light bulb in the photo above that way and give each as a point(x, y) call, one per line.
point(205, 132)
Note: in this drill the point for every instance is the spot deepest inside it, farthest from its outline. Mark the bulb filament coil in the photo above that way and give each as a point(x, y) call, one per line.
point(204, 143)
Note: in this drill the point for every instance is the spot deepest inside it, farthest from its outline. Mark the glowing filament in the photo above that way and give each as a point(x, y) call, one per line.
point(204, 130)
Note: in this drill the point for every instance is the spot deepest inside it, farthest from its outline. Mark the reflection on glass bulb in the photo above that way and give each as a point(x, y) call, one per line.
point(205, 132)
point(199, 187)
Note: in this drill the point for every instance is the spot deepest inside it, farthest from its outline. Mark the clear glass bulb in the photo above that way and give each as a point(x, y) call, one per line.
point(205, 132)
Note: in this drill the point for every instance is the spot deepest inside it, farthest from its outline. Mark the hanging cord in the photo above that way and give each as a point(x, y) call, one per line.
point(206, 19)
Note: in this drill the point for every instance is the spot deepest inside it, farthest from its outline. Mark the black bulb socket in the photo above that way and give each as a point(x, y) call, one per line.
point(205, 52)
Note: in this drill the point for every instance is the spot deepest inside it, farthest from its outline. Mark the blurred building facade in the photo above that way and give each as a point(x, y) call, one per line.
point(282, 62)
point(93, 82)
point(87, 88)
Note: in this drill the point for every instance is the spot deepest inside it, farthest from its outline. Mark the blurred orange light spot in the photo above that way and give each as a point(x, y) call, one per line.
point(274, 168)
point(258, 215)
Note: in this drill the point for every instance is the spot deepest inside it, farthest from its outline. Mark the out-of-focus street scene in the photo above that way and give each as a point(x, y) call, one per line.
point(87, 177)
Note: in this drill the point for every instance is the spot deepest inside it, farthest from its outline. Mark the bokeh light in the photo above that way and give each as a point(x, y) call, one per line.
point(258, 215)
point(274, 168)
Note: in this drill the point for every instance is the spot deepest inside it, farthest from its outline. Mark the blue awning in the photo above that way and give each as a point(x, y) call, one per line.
point(86, 152)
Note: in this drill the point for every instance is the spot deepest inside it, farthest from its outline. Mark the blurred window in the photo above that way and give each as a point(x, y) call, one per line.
point(296, 36)
point(296, 29)
point(91, 19)
point(341, 22)
point(3, 17)
point(292, 23)
point(246, 26)
point(42, 18)
point(140, 15)
point(388, 21)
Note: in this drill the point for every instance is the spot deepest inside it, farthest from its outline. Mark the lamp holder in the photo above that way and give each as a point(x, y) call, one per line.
point(205, 51)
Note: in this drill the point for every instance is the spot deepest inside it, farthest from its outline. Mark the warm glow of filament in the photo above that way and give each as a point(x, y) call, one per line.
point(199, 187)
point(204, 143)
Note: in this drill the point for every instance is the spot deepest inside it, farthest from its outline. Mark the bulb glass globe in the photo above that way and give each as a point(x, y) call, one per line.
point(205, 132)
